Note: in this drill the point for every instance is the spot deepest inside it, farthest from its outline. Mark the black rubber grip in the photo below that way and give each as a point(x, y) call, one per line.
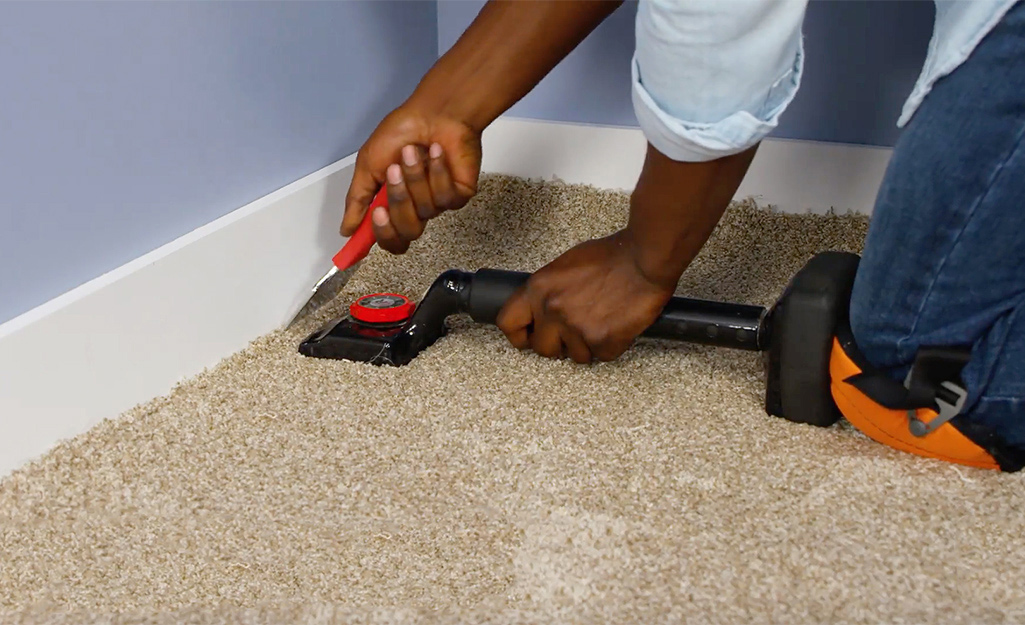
point(490, 290)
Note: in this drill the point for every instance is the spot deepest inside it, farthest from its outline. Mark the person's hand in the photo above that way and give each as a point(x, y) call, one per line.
point(590, 303)
point(430, 164)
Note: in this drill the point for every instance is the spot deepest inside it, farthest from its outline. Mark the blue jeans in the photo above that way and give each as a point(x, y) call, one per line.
point(944, 261)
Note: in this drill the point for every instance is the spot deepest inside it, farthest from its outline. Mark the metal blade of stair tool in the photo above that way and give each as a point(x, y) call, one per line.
point(325, 290)
point(344, 262)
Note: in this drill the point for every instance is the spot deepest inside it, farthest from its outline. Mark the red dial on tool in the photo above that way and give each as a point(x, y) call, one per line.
point(382, 308)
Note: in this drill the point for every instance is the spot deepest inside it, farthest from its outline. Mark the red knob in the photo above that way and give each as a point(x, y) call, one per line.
point(382, 308)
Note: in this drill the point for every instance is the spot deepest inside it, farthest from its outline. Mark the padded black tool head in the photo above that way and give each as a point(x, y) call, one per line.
point(392, 343)
point(480, 294)
point(802, 325)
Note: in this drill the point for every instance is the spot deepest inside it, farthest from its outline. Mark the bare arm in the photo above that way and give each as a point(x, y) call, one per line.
point(676, 206)
point(505, 52)
point(428, 150)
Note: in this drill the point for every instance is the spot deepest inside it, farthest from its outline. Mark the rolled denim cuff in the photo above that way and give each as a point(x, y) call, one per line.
point(683, 140)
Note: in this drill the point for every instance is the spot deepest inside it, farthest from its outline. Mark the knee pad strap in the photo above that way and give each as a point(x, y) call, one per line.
point(895, 427)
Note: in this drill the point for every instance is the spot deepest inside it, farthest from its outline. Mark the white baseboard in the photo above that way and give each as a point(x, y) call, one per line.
point(792, 176)
point(132, 334)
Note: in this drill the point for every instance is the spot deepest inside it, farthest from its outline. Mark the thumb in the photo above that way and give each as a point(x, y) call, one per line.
point(362, 190)
point(465, 169)
point(515, 318)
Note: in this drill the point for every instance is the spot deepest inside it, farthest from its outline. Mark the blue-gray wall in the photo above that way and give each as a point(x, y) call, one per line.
point(124, 125)
point(863, 57)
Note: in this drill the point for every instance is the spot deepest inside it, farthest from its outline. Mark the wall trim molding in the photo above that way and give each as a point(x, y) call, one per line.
point(789, 175)
point(131, 334)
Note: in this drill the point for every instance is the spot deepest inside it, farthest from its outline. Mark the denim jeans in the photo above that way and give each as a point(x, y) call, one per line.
point(944, 260)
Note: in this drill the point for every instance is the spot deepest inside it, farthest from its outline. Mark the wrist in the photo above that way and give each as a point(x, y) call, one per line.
point(436, 97)
point(674, 209)
point(657, 264)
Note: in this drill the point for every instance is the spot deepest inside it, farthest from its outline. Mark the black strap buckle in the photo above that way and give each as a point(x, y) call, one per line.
point(933, 382)
point(932, 378)
point(947, 410)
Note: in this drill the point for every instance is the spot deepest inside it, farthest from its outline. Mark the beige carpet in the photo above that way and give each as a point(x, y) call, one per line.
point(480, 484)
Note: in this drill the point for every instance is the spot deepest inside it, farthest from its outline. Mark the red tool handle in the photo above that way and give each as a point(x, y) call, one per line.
point(359, 244)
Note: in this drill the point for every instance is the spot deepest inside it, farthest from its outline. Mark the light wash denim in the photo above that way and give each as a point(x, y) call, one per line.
point(711, 77)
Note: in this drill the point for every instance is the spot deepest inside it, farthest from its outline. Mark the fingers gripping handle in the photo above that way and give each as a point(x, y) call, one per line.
point(361, 241)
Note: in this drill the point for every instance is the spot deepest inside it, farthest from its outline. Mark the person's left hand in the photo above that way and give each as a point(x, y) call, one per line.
point(590, 303)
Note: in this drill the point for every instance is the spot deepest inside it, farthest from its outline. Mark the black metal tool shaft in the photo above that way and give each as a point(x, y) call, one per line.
point(736, 326)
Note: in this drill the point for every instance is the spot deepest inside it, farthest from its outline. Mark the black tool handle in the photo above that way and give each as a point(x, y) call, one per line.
point(489, 291)
point(721, 324)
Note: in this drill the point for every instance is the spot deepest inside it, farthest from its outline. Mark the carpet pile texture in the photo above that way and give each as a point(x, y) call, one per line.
point(484, 485)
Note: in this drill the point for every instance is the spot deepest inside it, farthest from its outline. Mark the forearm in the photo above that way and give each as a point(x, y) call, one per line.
point(675, 207)
point(506, 51)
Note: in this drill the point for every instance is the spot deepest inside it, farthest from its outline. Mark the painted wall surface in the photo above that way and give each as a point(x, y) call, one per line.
point(863, 57)
point(126, 125)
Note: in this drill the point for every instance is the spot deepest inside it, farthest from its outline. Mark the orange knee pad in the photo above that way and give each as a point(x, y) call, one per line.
point(894, 427)
point(815, 374)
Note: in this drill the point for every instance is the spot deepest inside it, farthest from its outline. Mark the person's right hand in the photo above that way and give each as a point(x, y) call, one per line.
point(430, 164)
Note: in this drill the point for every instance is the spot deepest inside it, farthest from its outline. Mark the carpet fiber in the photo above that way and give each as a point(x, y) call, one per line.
point(481, 484)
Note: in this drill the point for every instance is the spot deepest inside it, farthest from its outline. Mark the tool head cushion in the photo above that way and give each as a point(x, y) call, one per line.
point(802, 325)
